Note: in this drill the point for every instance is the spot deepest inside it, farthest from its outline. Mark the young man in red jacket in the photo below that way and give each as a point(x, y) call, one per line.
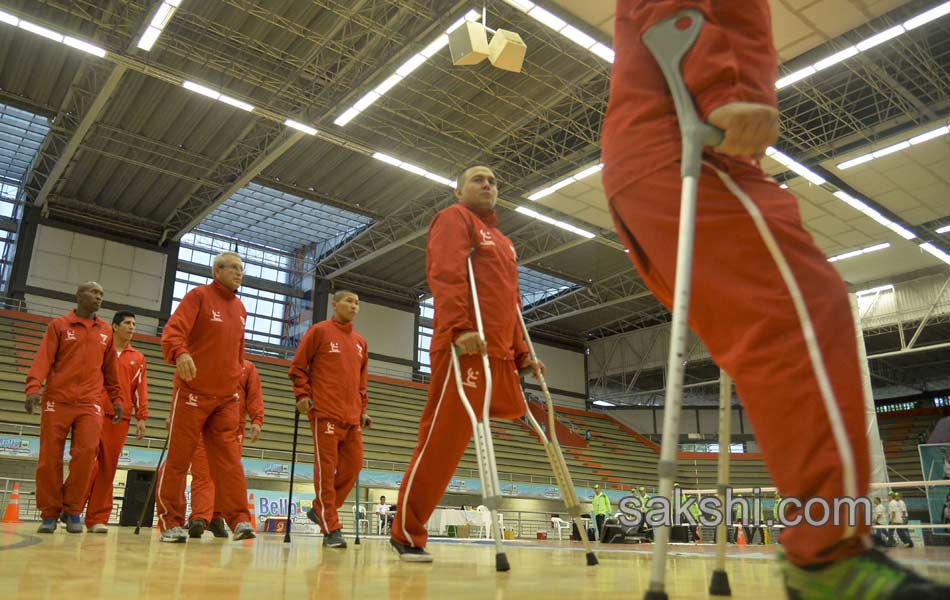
point(204, 339)
point(329, 376)
point(133, 379)
point(772, 311)
point(204, 509)
point(468, 228)
point(76, 359)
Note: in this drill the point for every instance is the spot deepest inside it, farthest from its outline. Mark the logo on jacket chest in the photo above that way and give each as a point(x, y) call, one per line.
point(486, 237)
point(359, 350)
point(216, 316)
point(335, 348)
point(70, 335)
point(103, 339)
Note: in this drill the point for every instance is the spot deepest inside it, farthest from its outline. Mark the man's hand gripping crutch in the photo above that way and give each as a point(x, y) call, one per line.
point(669, 41)
point(553, 449)
point(481, 429)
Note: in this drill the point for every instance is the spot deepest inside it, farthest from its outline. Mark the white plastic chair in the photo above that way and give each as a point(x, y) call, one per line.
point(363, 522)
point(485, 521)
point(559, 524)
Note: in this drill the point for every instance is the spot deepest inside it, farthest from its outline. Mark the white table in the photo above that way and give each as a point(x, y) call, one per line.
point(443, 517)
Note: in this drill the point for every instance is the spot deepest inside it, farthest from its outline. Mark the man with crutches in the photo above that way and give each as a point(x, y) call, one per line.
point(773, 313)
point(464, 240)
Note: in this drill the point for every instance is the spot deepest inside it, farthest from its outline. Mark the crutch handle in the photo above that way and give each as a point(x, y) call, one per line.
point(669, 44)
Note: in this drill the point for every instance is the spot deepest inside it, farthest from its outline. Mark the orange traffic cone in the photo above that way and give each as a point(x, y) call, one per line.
point(740, 536)
point(250, 509)
point(12, 513)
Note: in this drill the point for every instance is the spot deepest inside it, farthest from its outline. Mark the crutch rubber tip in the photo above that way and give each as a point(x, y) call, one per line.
point(655, 596)
point(591, 559)
point(501, 562)
point(357, 541)
point(287, 538)
point(719, 585)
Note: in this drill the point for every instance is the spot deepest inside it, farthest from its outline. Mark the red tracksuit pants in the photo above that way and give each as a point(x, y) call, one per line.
point(111, 439)
point(214, 418)
point(338, 457)
point(203, 505)
point(775, 315)
point(444, 433)
point(53, 496)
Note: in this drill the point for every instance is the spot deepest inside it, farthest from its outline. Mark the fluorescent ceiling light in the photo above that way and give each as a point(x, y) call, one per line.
point(300, 126)
point(877, 216)
point(802, 170)
point(930, 248)
point(41, 31)
point(524, 5)
point(875, 40)
point(414, 169)
point(928, 16)
point(200, 89)
point(944, 229)
point(404, 70)
point(853, 253)
point(8, 19)
point(236, 103)
point(555, 222)
point(902, 145)
point(163, 15)
point(553, 21)
point(84, 46)
point(604, 403)
point(561, 183)
point(875, 290)
point(578, 37)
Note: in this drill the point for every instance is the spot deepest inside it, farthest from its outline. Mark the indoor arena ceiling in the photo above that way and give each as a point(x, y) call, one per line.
point(135, 153)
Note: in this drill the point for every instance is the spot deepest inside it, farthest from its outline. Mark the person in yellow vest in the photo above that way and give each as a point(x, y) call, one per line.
point(601, 509)
point(644, 528)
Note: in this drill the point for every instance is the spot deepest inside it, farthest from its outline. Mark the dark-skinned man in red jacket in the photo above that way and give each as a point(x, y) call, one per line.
point(772, 311)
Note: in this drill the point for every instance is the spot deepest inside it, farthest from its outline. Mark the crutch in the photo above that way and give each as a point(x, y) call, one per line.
point(293, 464)
point(719, 584)
point(668, 44)
point(484, 449)
point(357, 541)
point(151, 488)
point(553, 450)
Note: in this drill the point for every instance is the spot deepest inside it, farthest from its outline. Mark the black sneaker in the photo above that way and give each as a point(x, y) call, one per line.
point(410, 554)
point(196, 528)
point(313, 516)
point(218, 528)
point(334, 540)
point(868, 576)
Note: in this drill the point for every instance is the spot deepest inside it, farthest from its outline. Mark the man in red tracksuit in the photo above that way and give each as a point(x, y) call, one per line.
point(772, 311)
point(468, 228)
point(133, 379)
point(203, 506)
point(329, 377)
point(204, 339)
point(76, 359)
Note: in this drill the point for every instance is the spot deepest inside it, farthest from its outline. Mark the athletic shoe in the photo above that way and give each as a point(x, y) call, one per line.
point(218, 528)
point(868, 576)
point(313, 516)
point(334, 540)
point(410, 554)
point(196, 528)
point(73, 523)
point(47, 526)
point(244, 531)
point(99, 528)
point(175, 535)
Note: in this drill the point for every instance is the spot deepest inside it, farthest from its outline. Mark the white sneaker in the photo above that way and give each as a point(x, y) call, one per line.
point(99, 528)
point(243, 531)
point(175, 535)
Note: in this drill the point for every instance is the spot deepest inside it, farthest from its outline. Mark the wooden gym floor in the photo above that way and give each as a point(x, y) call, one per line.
point(123, 565)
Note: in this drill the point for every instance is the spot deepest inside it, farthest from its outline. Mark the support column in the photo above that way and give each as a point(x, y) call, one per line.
point(878, 463)
point(168, 284)
point(25, 238)
point(321, 297)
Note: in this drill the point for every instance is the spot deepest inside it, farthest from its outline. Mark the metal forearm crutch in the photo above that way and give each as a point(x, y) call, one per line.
point(149, 498)
point(669, 43)
point(481, 429)
point(553, 450)
point(719, 584)
point(293, 465)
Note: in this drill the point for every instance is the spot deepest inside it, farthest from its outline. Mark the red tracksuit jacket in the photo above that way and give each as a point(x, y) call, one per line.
point(330, 368)
point(77, 360)
point(252, 403)
point(208, 325)
point(133, 379)
point(453, 234)
point(732, 60)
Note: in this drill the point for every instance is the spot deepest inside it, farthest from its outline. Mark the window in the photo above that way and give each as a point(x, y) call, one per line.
point(424, 335)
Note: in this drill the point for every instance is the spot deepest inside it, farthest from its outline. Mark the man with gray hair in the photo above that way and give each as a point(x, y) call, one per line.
point(76, 359)
point(204, 339)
